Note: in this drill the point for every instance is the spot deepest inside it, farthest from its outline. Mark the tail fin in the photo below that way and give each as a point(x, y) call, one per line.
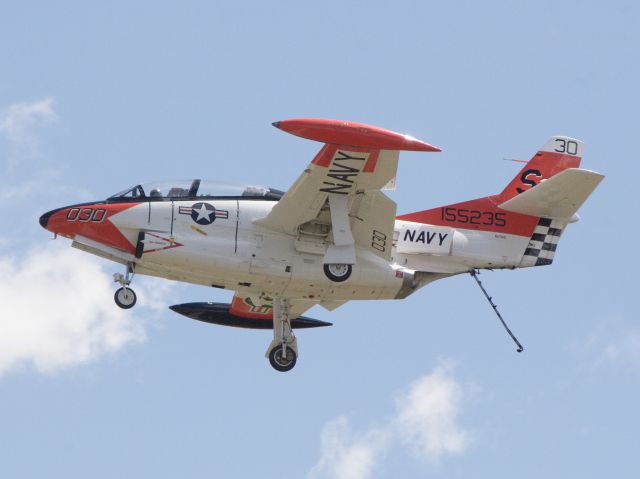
point(498, 213)
point(558, 154)
point(529, 215)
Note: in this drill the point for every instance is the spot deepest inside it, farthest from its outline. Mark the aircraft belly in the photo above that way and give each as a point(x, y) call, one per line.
point(276, 267)
point(468, 249)
point(263, 262)
point(498, 249)
point(371, 278)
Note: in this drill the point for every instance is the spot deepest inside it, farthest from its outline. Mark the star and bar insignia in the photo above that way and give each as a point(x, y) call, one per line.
point(203, 213)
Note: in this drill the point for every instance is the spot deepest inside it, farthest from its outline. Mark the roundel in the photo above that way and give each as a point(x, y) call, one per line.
point(203, 213)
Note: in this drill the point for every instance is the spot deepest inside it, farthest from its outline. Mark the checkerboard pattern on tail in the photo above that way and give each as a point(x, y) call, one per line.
point(543, 243)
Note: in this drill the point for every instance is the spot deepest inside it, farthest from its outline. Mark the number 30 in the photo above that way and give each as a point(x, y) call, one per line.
point(570, 147)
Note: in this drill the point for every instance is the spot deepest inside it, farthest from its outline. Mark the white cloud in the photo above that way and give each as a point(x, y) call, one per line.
point(18, 121)
point(58, 310)
point(624, 349)
point(346, 455)
point(426, 420)
point(427, 415)
point(616, 345)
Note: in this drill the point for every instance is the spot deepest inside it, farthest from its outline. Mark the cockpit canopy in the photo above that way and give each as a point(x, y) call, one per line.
point(194, 189)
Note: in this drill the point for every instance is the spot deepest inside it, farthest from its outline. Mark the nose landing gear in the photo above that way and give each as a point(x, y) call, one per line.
point(124, 296)
point(283, 350)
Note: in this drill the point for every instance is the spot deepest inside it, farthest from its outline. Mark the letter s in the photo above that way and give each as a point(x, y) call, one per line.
point(528, 181)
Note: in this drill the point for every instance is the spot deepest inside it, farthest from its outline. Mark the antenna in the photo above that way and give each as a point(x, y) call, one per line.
point(516, 160)
point(475, 272)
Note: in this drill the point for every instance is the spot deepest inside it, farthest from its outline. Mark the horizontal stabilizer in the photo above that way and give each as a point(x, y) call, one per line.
point(218, 313)
point(558, 197)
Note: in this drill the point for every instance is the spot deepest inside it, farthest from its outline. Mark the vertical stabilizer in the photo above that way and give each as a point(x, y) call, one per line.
point(558, 154)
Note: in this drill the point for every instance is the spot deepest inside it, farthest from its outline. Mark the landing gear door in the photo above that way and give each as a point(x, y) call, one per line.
point(160, 216)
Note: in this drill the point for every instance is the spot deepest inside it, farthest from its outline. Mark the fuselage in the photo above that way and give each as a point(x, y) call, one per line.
point(216, 242)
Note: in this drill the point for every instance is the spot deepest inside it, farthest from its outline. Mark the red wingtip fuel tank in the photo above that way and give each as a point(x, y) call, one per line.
point(353, 134)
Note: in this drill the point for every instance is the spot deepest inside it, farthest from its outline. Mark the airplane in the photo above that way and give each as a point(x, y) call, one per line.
point(332, 237)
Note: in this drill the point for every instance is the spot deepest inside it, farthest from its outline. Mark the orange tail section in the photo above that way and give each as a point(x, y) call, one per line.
point(558, 154)
point(484, 214)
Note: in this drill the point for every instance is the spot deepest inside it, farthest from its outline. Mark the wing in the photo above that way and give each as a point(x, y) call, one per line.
point(337, 204)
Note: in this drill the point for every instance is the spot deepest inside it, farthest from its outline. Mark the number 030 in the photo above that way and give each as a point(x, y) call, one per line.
point(379, 241)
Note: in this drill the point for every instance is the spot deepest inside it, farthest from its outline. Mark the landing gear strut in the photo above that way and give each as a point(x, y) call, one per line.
point(125, 297)
point(283, 350)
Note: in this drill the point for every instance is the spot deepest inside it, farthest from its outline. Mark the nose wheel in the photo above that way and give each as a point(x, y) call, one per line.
point(124, 296)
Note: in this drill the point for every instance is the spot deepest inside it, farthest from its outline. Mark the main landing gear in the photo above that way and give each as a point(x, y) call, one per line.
point(283, 350)
point(338, 272)
point(124, 296)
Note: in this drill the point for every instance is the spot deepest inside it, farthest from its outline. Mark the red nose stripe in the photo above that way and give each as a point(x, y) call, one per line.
point(92, 221)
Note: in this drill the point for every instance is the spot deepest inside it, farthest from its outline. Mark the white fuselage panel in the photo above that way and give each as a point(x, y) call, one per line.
point(217, 243)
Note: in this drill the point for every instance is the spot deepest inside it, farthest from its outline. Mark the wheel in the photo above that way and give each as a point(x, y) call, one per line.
point(279, 362)
point(338, 272)
point(125, 298)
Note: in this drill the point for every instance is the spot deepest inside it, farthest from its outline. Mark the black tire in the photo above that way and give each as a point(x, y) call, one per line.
point(125, 298)
point(280, 363)
point(338, 272)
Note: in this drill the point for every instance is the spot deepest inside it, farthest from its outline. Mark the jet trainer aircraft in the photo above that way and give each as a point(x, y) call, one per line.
point(332, 237)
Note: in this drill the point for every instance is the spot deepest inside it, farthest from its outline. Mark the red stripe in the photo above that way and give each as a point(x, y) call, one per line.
point(465, 217)
point(325, 155)
point(104, 232)
point(372, 161)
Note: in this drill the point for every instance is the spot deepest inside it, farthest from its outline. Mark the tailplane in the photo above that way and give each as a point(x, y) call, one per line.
point(558, 197)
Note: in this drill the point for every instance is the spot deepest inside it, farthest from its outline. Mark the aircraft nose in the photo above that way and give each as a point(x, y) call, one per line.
point(44, 219)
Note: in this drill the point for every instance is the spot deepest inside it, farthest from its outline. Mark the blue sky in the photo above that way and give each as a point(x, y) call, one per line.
point(94, 98)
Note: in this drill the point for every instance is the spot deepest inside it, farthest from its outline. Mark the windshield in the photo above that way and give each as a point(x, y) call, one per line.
point(194, 189)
